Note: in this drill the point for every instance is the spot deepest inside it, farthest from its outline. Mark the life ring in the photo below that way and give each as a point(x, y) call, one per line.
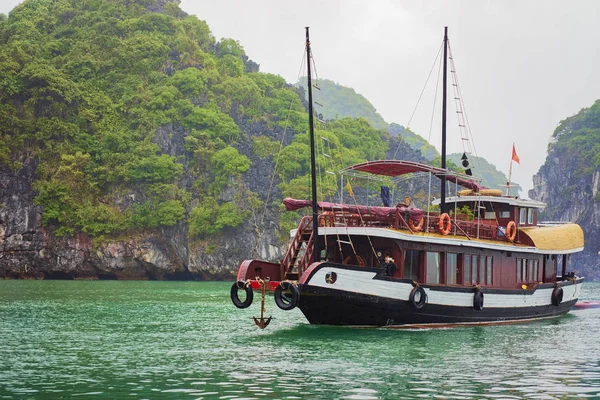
point(418, 304)
point(557, 296)
point(236, 299)
point(445, 224)
point(511, 230)
point(478, 299)
point(326, 219)
point(282, 300)
point(359, 260)
point(413, 227)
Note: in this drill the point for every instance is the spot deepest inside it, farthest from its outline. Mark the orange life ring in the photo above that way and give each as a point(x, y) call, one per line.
point(326, 219)
point(359, 260)
point(445, 224)
point(511, 230)
point(414, 227)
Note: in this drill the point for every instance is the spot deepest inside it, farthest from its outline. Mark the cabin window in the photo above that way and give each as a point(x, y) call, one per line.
point(489, 215)
point(467, 267)
point(505, 214)
point(433, 267)
point(412, 265)
point(451, 268)
point(527, 270)
point(522, 215)
point(482, 275)
point(530, 216)
point(532, 266)
point(489, 271)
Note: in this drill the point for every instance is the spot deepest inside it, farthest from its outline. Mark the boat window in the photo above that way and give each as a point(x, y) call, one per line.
point(505, 214)
point(520, 269)
point(451, 270)
point(527, 270)
point(412, 265)
point(482, 274)
point(467, 266)
point(433, 267)
point(530, 216)
point(522, 215)
point(489, 215)
point(490, 274)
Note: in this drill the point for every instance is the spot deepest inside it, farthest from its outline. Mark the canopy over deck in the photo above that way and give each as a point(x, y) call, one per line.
point(567, 238)
point(395, 168)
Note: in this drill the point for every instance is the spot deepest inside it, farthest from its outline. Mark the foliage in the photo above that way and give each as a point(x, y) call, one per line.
point(577, 139)
point(487, 172)
point(341, 101)
point(414, 140)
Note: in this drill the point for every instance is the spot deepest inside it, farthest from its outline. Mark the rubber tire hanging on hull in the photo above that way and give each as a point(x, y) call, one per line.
point(557, 296)
point(478, 299)
point(422, 299)
point(236, 299)
point(283, 302)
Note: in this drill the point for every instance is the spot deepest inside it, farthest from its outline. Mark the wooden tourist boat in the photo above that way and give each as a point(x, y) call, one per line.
point(493, 263)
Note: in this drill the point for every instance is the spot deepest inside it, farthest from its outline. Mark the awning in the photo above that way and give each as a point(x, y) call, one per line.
point(395, 168)
point(567, 237)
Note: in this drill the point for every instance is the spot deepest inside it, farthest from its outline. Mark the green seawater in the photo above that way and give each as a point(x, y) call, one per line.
point(185, 340)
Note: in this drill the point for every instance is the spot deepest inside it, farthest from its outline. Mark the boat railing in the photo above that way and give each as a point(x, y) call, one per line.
point(288, 262)
point(461, 225)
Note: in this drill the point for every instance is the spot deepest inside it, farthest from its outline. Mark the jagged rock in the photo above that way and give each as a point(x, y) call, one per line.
point(572, 199)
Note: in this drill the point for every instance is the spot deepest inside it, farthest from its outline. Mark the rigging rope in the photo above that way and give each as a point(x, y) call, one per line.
point(259, 225)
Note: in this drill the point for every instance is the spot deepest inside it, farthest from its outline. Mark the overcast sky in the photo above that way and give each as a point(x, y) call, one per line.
point(522, 65)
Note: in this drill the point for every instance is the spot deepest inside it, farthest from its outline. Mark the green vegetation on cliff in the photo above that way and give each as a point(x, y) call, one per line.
point(577, 139)
point(342, 101)
point(137, 118)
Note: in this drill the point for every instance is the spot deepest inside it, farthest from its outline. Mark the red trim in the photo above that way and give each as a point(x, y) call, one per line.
point(271, 285)
point(308, 272)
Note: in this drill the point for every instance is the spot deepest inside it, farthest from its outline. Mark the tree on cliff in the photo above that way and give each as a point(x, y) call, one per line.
point(139, 119)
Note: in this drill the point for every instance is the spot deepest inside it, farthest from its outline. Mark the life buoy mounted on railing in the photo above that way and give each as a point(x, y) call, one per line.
point(355, 260)
point(284, 300)
point(326, 219)
point(235, 298)
point(413, 227)
point(445, 224)
point(511, 230)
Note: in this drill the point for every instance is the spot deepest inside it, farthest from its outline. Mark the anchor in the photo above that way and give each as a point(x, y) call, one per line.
point(262, 322)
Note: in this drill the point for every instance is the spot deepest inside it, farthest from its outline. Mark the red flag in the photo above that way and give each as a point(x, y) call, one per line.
point(515, 157)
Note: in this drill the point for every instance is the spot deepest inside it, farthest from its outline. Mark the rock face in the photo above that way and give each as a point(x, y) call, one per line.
point(572, 196)
point(28, 250)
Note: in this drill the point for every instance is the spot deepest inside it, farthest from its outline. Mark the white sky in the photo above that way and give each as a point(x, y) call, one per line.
point(523, 65)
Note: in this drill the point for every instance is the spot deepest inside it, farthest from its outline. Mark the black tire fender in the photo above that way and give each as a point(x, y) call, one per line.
point(282, 300)
point(422, 298)
point(478, 299)
point(235, 298)
point(557, 296)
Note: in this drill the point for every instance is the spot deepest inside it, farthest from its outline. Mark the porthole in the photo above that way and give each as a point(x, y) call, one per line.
point(331, 277)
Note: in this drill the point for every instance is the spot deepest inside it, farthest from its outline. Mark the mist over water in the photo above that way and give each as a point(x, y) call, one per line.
point(115, 339)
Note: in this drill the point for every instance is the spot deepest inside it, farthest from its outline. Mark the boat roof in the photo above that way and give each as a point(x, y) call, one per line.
point(395, 168)
point(510, 200)
point(561, 238)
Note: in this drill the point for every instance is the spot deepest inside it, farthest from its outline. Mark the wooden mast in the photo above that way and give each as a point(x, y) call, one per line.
point(443, 193)
point(313, 171)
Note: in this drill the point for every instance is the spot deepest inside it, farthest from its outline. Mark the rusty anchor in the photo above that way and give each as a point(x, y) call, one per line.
point(261, 322)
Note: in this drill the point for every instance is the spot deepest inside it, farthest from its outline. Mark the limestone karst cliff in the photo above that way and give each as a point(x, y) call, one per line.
point(569, 183)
